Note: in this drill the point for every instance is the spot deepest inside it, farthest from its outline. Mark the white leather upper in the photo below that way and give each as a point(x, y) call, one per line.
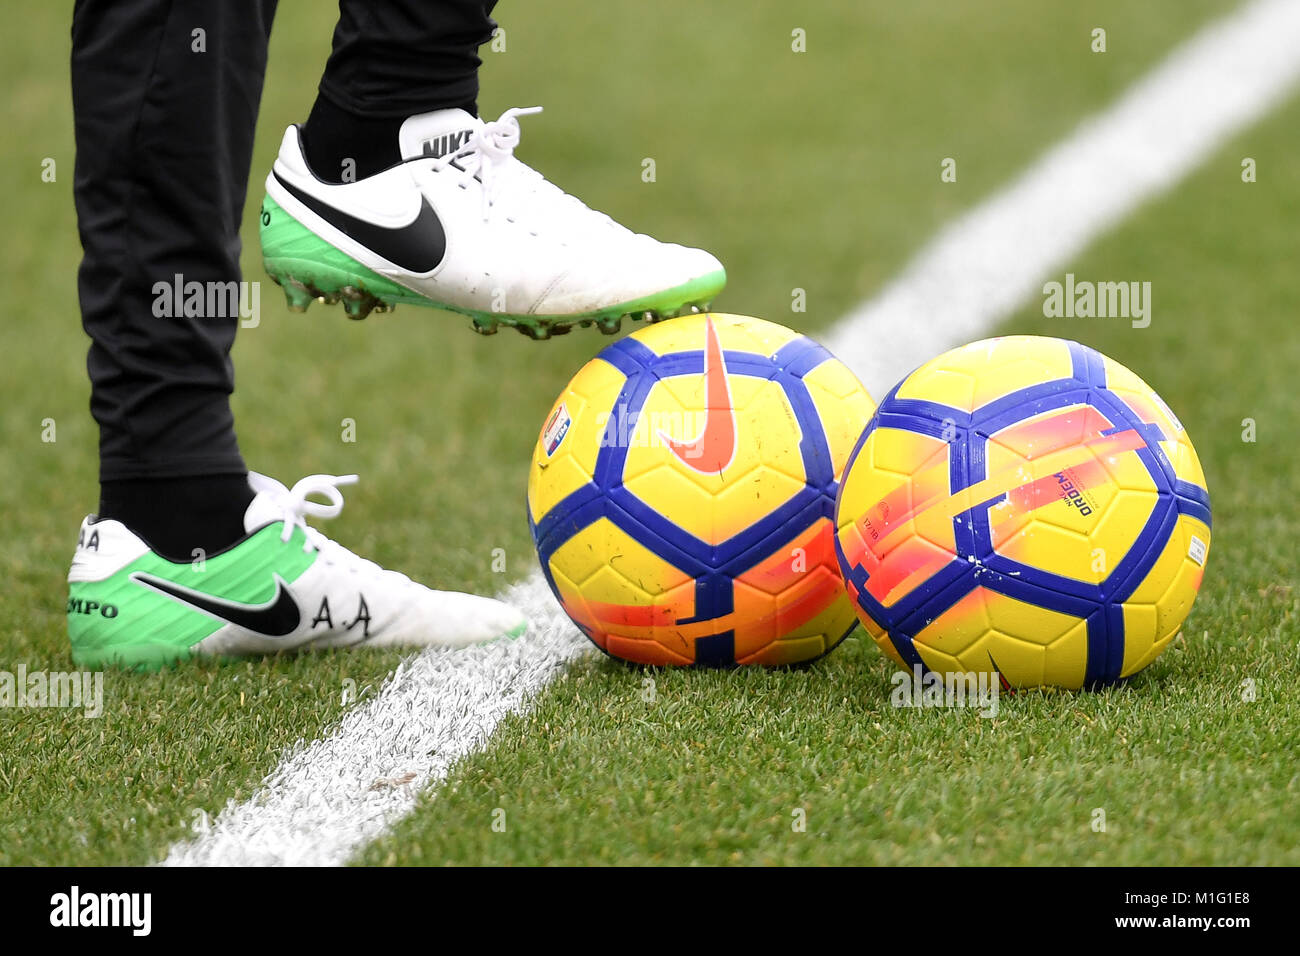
point(523, 246)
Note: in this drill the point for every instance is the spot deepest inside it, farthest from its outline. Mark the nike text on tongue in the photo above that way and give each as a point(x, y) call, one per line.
point(436, 134)
point(444, 133)
point(445, 144)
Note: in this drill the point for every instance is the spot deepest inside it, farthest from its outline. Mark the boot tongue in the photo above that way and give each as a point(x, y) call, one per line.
point(267, 504)
point(436, 134)
point(262, 510)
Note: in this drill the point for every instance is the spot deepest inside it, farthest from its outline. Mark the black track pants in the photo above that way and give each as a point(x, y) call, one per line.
point(165, 96)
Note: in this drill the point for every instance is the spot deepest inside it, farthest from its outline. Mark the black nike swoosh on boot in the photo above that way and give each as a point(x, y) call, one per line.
point(416, 247)
point(276, 618)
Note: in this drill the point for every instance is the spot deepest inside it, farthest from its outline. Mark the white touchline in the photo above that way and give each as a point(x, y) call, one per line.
point(990, 261)
point(329, 798)
point(336, 794)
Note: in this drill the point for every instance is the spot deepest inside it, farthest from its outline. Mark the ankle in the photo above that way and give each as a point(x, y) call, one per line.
point(341, 146)
point(178, 516)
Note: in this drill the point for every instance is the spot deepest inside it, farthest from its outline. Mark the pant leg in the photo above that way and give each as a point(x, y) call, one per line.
point(164, 134)
point(393, 58)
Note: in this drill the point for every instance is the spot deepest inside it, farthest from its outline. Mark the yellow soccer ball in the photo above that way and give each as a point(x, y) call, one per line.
point(682, 490)
point(1028, 507)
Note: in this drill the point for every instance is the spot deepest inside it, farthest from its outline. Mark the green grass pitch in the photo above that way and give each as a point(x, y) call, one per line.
point(817, 171)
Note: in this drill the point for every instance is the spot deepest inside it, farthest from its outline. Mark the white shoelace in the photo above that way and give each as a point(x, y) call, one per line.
point(295, 506)
point(489, 150)
point(489, 153)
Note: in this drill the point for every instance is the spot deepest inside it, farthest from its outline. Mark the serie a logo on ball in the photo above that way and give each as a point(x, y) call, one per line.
point(682, 492)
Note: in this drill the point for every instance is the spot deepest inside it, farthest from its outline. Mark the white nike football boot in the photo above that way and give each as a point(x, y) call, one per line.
point(284, 586)
point(461, 224)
